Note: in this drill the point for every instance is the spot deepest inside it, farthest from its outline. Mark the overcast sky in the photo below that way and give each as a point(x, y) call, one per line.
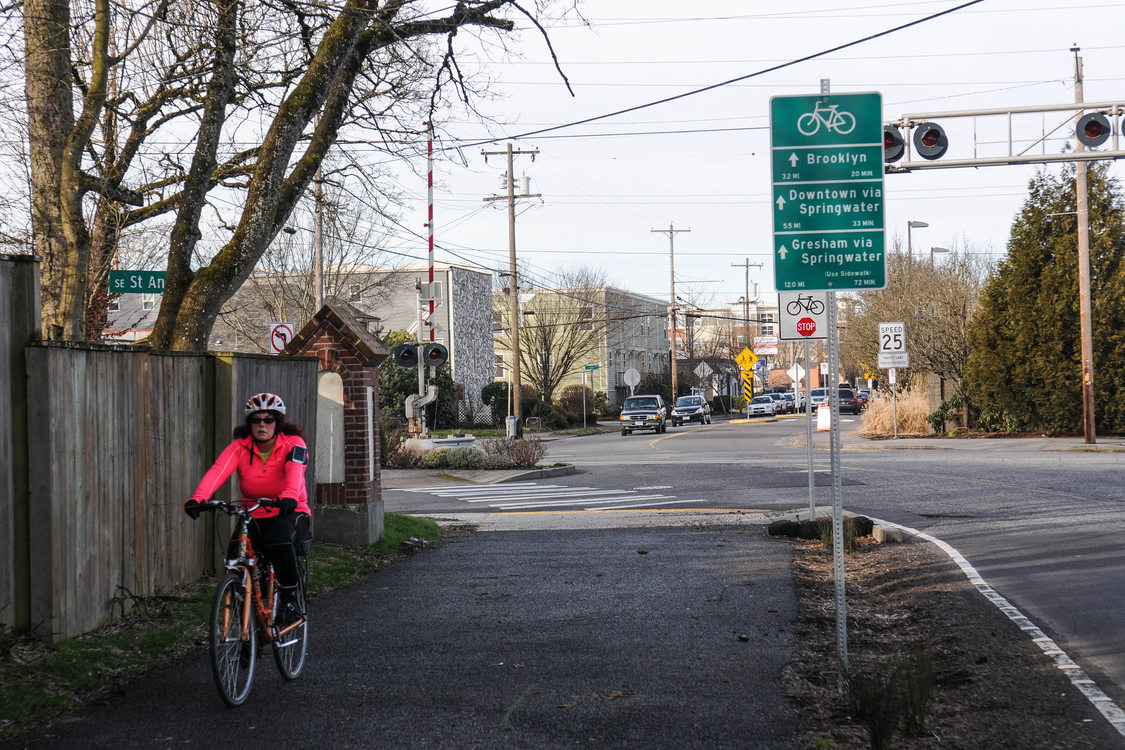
point(701, 162)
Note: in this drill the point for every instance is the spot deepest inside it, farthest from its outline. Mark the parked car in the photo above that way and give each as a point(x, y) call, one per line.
point(849, 402)
point(781, 406)
point(791, 402)
point(691, 409)
point(644, 413)
point(864, 398)
point(761, 405)
point(818, 396)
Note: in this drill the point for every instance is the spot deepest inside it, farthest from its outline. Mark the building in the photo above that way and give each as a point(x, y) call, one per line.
point(627, 332)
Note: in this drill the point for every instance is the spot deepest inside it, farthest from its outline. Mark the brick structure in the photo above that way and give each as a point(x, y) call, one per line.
point(348, 507)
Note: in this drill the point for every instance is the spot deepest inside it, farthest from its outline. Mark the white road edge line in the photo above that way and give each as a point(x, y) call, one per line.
point(1110, 710)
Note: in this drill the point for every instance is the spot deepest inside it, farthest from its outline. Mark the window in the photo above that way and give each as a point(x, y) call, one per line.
point(115, 304)
point(499, 368)
point(586, 319)
point(148, 301)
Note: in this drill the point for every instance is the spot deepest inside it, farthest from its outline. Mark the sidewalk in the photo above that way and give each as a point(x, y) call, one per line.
point(851, 441)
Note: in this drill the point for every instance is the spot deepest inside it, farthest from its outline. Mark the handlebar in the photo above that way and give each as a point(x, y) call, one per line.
point(239, 510)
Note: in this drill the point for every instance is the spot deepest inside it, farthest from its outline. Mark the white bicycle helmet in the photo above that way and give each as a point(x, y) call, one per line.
point(265, 402)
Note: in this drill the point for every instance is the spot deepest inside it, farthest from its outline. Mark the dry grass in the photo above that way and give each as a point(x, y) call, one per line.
point(879, 421)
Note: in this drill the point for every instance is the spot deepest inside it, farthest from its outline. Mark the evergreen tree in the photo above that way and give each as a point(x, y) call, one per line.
point(1024, 373)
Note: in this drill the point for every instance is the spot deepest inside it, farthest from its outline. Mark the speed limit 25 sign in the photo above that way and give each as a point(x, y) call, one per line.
point(892, 346)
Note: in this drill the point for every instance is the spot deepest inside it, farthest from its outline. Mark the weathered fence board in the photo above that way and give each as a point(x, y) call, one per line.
point(19, 323)
point(119, 438)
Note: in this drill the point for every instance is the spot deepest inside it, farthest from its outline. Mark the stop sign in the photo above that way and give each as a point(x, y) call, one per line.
point(806, 326)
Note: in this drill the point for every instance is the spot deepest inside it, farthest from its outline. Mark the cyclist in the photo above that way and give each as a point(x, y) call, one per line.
point(270, 456)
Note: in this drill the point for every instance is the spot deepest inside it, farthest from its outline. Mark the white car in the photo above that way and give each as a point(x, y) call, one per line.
point(761, 406)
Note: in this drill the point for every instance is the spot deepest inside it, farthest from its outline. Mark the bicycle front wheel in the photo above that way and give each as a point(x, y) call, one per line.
point(234, 640)
point(291, 641)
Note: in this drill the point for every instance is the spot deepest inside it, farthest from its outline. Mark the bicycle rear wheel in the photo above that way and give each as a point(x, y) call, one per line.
point(233, 651)
point(291, 641)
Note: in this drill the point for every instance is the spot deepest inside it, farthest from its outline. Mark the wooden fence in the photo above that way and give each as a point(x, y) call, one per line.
point(97, 465)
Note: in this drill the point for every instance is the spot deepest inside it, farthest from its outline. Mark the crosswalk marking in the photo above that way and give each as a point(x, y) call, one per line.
point(525, 496)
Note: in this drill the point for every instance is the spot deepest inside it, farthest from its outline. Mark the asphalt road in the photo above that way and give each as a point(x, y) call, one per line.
point(1039, 518)
point(639, 602)
point(651, 636)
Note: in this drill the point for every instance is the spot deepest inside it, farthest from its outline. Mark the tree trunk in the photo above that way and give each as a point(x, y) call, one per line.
point(50, 118)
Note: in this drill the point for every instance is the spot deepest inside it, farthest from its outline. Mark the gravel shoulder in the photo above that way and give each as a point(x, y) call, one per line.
point(908, 604)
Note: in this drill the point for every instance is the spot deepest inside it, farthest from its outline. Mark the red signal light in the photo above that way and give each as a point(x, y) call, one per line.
point(930, 140)
point(1093, 129)
point(893, 145)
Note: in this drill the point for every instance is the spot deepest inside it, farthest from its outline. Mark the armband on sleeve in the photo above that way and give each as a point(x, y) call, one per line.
point(299, 455)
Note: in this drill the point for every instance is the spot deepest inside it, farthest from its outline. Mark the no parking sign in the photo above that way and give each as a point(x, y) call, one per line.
point(280, 336)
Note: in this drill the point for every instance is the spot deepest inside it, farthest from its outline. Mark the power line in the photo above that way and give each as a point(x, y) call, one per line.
point(714, 86)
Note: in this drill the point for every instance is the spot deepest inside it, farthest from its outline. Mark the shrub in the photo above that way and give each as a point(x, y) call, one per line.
point(463, 457)
point(913, 411)
point(572, 398)
point(435, 459)
point(949, 409)
point(508, 453)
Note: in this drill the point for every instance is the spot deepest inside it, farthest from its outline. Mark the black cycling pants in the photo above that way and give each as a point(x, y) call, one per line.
point(279, 538)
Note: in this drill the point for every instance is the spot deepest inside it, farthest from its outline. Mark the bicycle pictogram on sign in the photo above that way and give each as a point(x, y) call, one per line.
point(828, 115)
point(804, 303)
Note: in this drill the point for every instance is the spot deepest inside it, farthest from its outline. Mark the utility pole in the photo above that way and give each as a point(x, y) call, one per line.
point(1084, 312)
point(746, 300)
point(513, 285)
point(672, 232)
point(318, 242)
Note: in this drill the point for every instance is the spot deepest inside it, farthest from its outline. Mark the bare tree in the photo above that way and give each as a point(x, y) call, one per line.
point(270, 88)
point(935, 302)
point(561, 327)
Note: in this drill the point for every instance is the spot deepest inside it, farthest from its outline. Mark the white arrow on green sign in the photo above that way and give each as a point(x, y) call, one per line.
point(827, 169)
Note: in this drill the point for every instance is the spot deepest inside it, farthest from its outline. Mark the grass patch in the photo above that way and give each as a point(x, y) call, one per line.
point(39, 682)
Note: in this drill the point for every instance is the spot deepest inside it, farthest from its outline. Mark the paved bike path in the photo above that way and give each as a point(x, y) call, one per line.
point(627, 637)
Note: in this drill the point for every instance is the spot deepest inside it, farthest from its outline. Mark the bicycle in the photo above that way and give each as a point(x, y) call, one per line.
point(805, 303)
point(841, 122)
point(244, 608)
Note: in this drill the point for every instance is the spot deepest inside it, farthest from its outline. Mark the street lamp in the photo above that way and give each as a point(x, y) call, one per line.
point(912, 224)
point(936, 250)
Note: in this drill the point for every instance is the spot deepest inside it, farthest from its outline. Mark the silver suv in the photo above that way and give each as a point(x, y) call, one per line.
point(644, 413)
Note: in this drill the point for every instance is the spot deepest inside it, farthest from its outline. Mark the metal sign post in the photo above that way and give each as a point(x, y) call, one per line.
point(808, 434)
point(837, 495)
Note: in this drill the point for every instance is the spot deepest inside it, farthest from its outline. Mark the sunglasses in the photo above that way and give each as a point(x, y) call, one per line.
point(262, 420)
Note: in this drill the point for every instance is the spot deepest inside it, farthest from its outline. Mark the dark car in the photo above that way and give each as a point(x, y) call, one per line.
point(691, 409)
point(864, 398)
point(849, 402)
point(644, 413)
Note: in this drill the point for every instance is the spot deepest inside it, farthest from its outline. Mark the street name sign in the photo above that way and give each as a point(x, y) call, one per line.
point(592, 367)
point(136, 282)
point(826, 154)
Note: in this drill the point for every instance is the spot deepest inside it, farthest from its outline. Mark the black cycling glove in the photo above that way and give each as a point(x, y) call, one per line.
point(193, 508)
point(288, 505)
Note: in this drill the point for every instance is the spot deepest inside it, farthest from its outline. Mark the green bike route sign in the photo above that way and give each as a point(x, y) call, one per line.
point(826, 155)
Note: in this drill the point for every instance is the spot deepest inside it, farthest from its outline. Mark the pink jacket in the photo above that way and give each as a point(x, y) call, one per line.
point(281, 475)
